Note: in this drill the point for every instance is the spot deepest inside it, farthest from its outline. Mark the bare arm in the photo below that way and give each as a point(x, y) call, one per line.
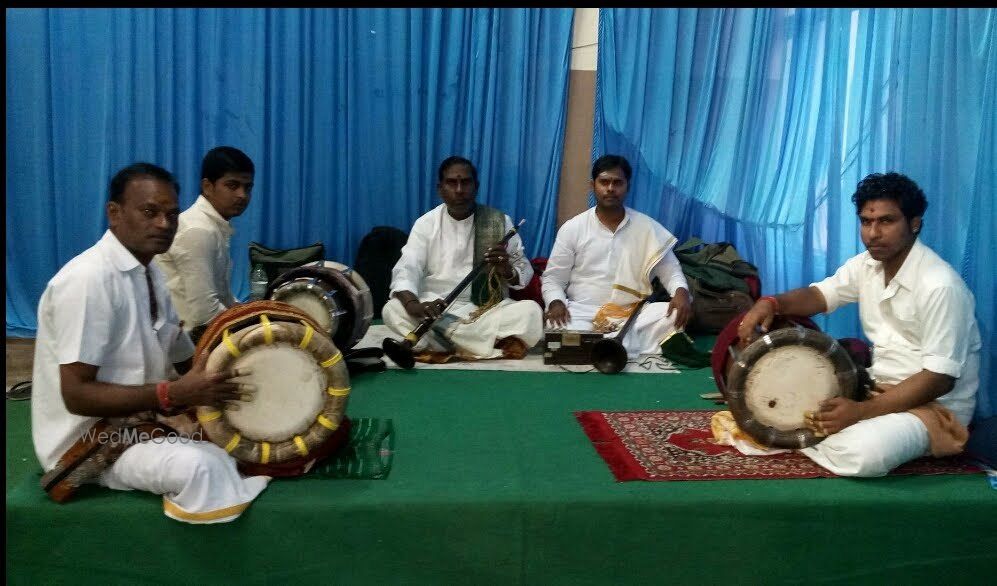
point(85, 395)
point(805, 301)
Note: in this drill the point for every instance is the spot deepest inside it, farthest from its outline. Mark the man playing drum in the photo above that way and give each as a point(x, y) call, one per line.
point(918, 314)
point(198, 266)
point(443, 247)
point(107, 334)
point(603, 262)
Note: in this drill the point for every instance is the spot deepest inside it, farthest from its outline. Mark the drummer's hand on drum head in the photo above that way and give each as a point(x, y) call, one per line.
point(557, 314)
point(758, 319)
point(198, 387)
point(836, 414)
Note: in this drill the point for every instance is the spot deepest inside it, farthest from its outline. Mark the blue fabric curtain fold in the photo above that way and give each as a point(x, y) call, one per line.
point(346, 113)
point(754, 126)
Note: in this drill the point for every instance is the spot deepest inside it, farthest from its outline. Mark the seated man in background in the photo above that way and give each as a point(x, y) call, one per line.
point(198, 266)
point(603, 262)
point(918, 314)
point(107, 334)
point(442, 248)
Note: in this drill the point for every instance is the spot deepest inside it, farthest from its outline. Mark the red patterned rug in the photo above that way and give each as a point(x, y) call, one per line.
point(678, 445)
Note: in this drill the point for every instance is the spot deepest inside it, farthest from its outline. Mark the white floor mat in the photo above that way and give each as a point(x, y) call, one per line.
point(533, 362)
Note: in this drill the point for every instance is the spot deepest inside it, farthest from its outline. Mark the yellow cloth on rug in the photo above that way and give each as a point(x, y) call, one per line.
point(727, 433)
point(640, 251)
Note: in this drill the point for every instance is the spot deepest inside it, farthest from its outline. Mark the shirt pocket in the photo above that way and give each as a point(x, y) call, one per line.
point(906, 325)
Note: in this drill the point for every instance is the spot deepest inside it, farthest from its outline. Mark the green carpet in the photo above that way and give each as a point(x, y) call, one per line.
point(494, 482)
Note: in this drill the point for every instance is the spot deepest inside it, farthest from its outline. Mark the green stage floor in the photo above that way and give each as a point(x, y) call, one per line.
point(494, 482)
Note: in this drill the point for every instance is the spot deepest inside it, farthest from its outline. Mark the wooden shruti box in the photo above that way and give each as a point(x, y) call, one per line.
point(569, 346)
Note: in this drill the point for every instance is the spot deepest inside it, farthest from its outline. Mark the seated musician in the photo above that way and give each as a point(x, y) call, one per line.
point(918, 314)
point(603, 262)
point(442, 249)
point(197, 266)
point(107, 334)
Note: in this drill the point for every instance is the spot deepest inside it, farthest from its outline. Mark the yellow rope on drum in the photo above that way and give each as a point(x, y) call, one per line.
point(326, 422)
point(209, 416)
point(302, 448)
point(267, 330)
point(232, 443)
point(332, 360)
point(264, 452)
point(227, 340)
point(308, 335)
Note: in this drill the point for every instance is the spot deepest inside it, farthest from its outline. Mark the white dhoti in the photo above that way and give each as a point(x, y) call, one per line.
point(645, 336)
point(520, 319)
point(872, 447)
point(198, 480)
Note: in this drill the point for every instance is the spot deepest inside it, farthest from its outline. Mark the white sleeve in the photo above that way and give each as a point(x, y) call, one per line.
point(843, 286)
point(85, 312)
point(410, 270)
point(669, 272)
point(517, 256)
point(945, 332)
point(193, 256)
point(557, 275)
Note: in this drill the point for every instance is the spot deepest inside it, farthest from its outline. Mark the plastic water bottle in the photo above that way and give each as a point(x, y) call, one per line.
point(258, 283)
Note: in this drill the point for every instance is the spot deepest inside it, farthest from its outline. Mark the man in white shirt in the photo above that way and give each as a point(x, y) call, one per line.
point(918, 314)
point(107, 334)
point(442, 248)
point(603, 262)
point(198, 266)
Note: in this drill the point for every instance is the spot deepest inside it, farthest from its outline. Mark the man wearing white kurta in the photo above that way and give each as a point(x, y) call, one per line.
point(441, 251)
point(918, 314)
point(198, 266)
point(606, 257)
point(107, 334)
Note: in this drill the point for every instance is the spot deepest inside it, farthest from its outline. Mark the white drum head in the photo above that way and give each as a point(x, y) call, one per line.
point(312, 305)
point(786, 382)
point(290, 393)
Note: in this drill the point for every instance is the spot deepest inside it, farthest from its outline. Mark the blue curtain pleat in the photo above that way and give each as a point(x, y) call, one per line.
point(346, 112)
point(754, 126)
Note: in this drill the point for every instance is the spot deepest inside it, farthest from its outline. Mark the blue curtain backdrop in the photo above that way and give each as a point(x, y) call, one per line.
point(753, 126)
point(346, 113)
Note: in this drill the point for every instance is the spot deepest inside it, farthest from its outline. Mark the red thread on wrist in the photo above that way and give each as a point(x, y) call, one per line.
point(772, 300)
point(163, 394)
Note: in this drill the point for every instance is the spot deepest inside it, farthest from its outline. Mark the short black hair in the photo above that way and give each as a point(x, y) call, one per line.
point(607, 162)
point(452, 162)
point(225, 159)
point(893, 186)
point(116, 189)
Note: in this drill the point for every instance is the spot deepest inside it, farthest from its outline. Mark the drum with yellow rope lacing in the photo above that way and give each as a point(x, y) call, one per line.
point(297, 415)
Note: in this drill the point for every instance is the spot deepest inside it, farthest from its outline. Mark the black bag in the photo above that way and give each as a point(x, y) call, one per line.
point(719, 282)
point(377, 254)
point(277, 262)
point(712, 310)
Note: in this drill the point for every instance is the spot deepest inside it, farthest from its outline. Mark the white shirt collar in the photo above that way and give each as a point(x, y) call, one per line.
point(905, 275)
point(209, 210)
point(626, 219)
point(122, 258)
